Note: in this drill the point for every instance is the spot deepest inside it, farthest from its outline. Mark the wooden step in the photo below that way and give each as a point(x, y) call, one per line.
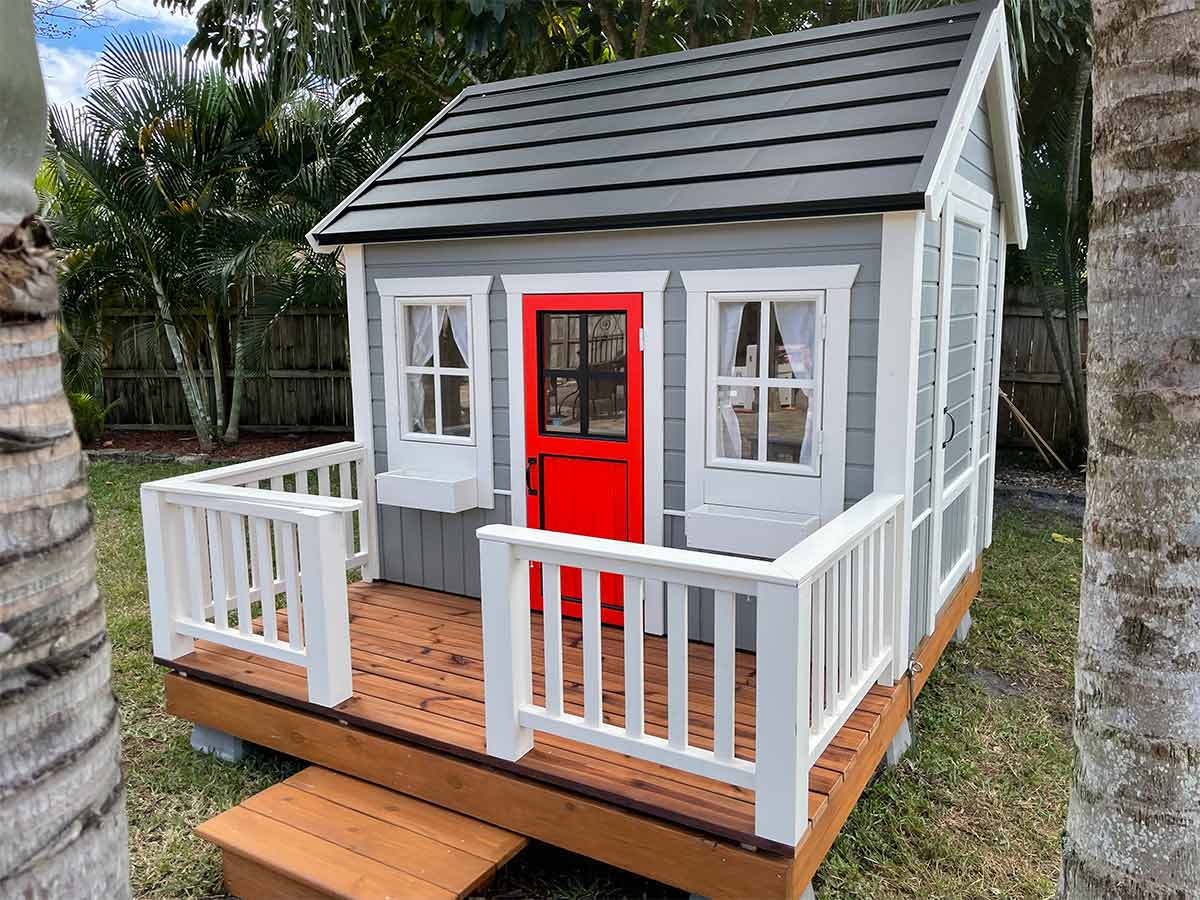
point(322, 834)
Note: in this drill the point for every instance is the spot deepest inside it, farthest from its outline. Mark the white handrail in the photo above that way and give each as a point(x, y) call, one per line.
point(825, 622)
point(222, 552)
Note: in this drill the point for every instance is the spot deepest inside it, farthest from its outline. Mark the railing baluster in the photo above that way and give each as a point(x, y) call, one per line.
point(677, 665)
point(593, 678)
point(241, 570)
point(285, 533)
point(844, 589)
point(724, 662)
point(261, 529)
point(192, 550)
point(881, 597)
point(832, 644)
point(216, 556)
point(345, 489)
point(868, 576)
point(323, 481)
point(302, 481)
point(819, 643)
point(858, 607)
point(552, 637)
point(635, 704)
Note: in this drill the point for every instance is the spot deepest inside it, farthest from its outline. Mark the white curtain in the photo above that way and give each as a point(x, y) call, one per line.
point(795, 322)
point(458, 325)
point(730, 323)
point(420, 353)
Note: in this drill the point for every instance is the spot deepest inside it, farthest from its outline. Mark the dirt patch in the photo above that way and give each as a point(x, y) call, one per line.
point(174, 444)
point(1023, 479)
point(995, 685)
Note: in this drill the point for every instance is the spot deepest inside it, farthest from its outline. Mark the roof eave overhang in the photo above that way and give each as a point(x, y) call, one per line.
point(859, 206)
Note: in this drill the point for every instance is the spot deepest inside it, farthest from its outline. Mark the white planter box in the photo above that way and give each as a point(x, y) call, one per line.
point(423, 489)
point(746, 532)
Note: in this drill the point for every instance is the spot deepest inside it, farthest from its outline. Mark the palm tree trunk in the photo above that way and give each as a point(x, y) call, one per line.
point(1133, 826)
point(239, 380)
point(63, 830)
point(194, 394)
point(218, 372)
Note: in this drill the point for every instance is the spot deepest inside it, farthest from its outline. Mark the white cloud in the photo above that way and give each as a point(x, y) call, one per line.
point(65, 71)
point(154, 18)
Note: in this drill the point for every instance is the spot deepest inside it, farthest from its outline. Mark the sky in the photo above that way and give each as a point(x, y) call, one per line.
point(67, 60)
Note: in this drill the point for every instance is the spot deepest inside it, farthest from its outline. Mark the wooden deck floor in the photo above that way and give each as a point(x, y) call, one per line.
point(418, 677)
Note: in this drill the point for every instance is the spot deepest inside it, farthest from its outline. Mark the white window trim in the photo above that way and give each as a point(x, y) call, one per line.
point(464, 466)
point(651, 285)
point(760, 381)
point(835, 283)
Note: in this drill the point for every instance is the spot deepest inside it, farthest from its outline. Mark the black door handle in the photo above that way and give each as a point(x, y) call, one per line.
point(953, 427)
point(529, 464)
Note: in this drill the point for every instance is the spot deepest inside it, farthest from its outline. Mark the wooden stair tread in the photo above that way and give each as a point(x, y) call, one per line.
point(328, 835)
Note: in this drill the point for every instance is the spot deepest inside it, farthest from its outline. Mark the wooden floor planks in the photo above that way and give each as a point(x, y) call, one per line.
point(418, 673)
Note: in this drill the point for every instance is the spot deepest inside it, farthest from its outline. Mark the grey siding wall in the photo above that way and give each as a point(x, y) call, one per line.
point(976, 164)
point(439, 551)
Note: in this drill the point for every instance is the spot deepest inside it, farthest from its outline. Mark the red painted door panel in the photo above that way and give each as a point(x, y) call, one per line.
point(583, 427)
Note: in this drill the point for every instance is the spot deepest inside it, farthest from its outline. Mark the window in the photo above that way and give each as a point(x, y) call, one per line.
point(437, 393)
point(582, 361)
point(766, 390)
point(764, 407)
point(435, 369)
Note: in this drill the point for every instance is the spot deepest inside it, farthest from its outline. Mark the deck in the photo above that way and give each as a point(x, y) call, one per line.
point(416, 724)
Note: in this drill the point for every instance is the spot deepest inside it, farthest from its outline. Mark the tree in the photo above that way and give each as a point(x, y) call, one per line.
point(62, 797)
point(1133, 825)
point(187, 191)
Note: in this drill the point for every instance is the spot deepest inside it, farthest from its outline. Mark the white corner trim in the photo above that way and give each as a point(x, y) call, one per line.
point(990, 499)
point(387, 164)
point(969, 191)
point(651, 285)
point(964, 111)
point(354, 263)
point(441, 455)
point(447, 286)
point(782, 278)
point(587, 283)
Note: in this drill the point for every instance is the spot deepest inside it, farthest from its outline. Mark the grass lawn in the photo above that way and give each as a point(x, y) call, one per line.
point(975, 810)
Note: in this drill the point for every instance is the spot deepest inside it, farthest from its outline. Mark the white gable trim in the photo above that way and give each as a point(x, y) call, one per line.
point(989, 72)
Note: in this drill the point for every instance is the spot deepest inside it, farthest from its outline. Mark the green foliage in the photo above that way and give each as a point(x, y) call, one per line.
point(90, 415)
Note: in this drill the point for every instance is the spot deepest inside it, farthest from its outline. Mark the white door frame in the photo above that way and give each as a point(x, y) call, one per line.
point(651, 285)
point(973, 205)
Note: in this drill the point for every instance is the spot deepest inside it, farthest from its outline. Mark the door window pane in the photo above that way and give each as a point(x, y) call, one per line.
point(737, 422)
point(421, 415)
point(606, 406)
point(419, 327)
point(793, 339)
point(456, 405)
point(789, 437)
point(560, 341)
point(738, 338)
point(453, 342)
point(561, 404)
point(606, 342)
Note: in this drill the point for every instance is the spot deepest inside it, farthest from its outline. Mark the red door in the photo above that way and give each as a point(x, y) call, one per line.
point(583, 428)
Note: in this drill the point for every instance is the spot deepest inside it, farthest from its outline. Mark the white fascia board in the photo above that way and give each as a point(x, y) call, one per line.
point(387, 164)
point(964, 111)
point(587, 282)
point(1006, 144)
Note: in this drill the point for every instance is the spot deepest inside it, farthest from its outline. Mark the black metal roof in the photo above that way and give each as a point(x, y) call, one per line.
point(841, 119)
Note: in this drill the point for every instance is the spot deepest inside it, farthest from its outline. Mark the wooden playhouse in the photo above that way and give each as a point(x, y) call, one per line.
point(675, 403)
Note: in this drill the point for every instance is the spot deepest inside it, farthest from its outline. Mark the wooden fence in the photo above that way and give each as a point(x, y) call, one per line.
point(304, 385)
point(1028, 373)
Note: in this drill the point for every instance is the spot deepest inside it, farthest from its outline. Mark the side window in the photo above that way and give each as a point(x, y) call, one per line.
point(435, 369)
point(764, 382)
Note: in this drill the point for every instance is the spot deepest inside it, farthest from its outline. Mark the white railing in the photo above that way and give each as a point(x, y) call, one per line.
point(254, 556)
point(825, 627)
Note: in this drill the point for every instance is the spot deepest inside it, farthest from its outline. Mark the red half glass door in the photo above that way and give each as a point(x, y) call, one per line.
point(583, 428)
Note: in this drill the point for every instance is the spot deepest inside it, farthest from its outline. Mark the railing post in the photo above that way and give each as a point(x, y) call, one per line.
point(895, 595)
point(784, 638)
point(507, 671)
point(166, 583)
point(324, 607)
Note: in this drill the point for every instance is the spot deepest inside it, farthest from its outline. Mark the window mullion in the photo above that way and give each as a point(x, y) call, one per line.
point(764, 326)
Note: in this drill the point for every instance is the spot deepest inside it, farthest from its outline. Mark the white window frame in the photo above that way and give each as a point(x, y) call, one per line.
point(405, 368)
point(762, 509)
point(464, 465)
point(714, 380)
